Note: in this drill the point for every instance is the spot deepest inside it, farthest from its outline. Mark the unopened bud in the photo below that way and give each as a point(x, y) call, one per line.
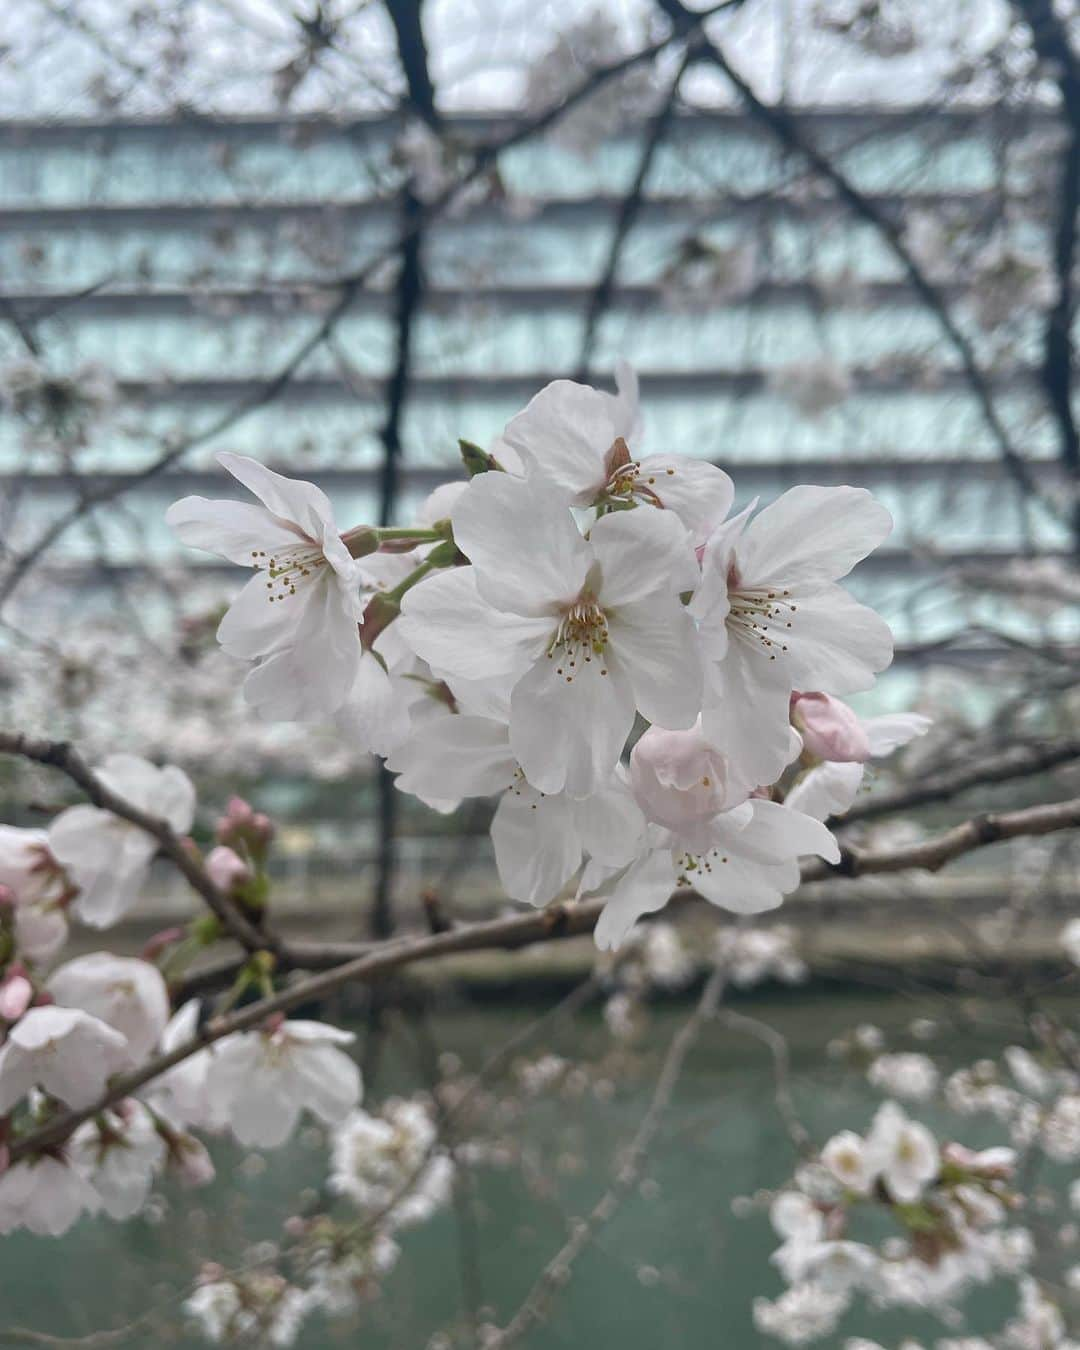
point(226, 869)
point(476, 460)
point(156, 944)
point(830, 730)
point(16, 995)
point(7, 898)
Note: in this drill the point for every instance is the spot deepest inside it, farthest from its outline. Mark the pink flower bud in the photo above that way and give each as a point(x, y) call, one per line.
point(7, 897)
point(262, 827)
point(830, 729)
point(156, 944)
point(16, 995)
point(679, 780)
point(226, 869)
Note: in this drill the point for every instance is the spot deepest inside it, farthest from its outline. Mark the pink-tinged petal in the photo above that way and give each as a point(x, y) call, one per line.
point(656, 643)
point(457, 632)
point(239, 531)
point(568, 734)
point(644, 888)
point(890, 732)
point(536, 846)
point(835, 643)
point(528, 554)
point(563, 436)
point(812, 534)
point(697, 492)
point(826, 790)
point(746, 713)
point(291, 499)
point(641, 553)
point(457, 757)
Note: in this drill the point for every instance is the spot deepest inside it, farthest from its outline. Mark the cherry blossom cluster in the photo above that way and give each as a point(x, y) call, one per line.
point(647, 683)
point(949, 1207)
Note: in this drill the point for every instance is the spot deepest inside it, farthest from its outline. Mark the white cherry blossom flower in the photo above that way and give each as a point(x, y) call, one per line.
point(109, 858)
point(182, 1094)
point(772, 618)
point(120, 1153)
point(65, 1051)
point(391, 1160)
point(263, 1080)
point(846, 1157)
point(298, 616)
point(742, 858)
point(540, 839)
point(584, 631)
point(45, 1195)
point(902, 1152)
point(123, 991)
point(584, 442)
point(907, 1075)
point(39, 887)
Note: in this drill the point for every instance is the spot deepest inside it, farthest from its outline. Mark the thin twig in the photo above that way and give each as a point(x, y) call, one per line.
point(559, 1269)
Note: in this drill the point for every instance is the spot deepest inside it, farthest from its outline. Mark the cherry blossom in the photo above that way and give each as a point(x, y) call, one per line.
point(39, 890)
point(846, 1157)
point(108, 858)
point(582, 441)
point(742, 857)
point(45, 1195)
point(298, 616)
point(126, 993)
point(263, 1080)
point(902, 1152)
point(65, 1051)
point(540, 839)
point(120, 1153)
point(772, 618)
point(583, 630)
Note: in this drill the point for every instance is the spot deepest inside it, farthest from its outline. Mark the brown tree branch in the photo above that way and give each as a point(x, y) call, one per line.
point(562, 919)
point(1019, 761)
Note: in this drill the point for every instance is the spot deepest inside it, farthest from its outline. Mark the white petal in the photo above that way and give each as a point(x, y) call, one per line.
point(812, 534)
point(890, 732)
point(529, 555)
point(255, 625)
point(746, 713)
point(645, 888)
point(373, 718)
point(458, 756)
point(656, 642)
point(536, 847)
point(449, 625)
point(331, 1082)
point(698, 492)
point(563, 436)
point(836, 644)
point(826, 790)
point(237, 531)
point(611, 825)
point(312, 678)
point(642, 553)
point(569, 734)
point(293, 500)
